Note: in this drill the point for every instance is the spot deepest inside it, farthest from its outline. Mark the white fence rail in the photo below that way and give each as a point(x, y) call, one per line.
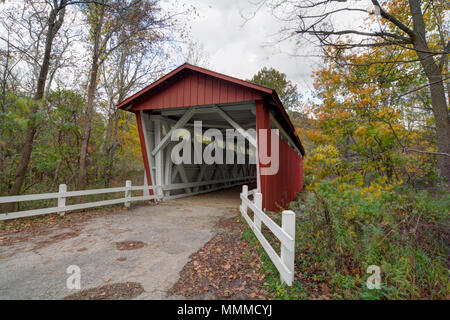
point(63, 194)
point(285, 233)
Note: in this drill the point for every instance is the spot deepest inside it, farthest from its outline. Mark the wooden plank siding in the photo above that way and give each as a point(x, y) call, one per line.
point(197, 89)
point(279, 189)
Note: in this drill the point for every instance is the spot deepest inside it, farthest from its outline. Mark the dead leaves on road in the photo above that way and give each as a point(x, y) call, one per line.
point(223, 268)
point(129, 245)
point(114, 291)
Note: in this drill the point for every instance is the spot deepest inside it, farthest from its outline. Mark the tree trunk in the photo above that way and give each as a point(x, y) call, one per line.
point(442, 121)
point(87, 124)
point(82, 181)
point(55, 20)
point(112, 150)
point(437, 90)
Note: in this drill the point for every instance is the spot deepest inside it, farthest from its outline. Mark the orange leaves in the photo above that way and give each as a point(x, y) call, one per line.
point(364, 113)
point(316, 136)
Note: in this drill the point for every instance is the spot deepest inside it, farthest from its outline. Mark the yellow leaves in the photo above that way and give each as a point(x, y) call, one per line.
point(388, 114)
point(377, 188)
point(359, 180)
point(361, 131)
point(351, 213)
point(331, 151)
point(342, 115)
point(316, 136)
point(327, 153)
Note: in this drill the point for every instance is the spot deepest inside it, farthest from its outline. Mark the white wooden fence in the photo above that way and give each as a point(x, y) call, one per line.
point(63, 194)
point(285, 233)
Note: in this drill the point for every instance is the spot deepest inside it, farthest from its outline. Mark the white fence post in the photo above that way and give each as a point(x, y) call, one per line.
point(160, 193)
point(128, 193)
point(145, 191)
point(245, 194)
point(258, 203)
point(287, 256)
point(62, 199)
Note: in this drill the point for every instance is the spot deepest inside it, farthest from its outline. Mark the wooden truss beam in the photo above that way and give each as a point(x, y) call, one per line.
point(183, 120)
point(236, 126)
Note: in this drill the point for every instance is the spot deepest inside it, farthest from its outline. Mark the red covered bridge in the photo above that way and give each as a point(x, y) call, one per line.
point(190, 94)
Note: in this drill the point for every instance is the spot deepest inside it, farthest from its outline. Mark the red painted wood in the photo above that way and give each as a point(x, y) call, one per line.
point(197, 89)
point(187, 66)
point(195, 83)
point(280, 189)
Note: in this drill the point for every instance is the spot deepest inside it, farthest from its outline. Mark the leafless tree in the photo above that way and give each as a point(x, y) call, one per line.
point(127, 70)
point(197, 55)
point(119, 24)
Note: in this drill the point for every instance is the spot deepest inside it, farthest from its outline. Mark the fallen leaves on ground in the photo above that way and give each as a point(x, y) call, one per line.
point(222, 268)
point(129, 245)
point(114, 291)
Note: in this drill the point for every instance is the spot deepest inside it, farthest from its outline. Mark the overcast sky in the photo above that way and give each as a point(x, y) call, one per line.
point(241, 49)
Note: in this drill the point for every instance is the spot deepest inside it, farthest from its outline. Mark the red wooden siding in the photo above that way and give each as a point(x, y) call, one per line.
point(196, 89)
point(281, 188)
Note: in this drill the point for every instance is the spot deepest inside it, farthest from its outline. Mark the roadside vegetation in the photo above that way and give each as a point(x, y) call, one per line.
point(342, 229)
point(376, 170)
point(64, 67)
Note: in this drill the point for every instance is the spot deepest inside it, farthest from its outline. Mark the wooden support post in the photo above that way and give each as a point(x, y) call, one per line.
point(168, 170)
point(183, 176)
point(159, 193)
point(288, 256)
point(62, 199)
point(258, 203)
point(223, 171)
point(158, 157)
point(128, 193)
point(173, 175)
point(147, 129)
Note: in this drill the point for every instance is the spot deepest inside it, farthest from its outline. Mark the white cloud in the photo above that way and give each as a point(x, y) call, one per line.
point(238, 48)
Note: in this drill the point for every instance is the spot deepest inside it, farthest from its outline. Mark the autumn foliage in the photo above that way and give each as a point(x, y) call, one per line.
point(373, 193)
